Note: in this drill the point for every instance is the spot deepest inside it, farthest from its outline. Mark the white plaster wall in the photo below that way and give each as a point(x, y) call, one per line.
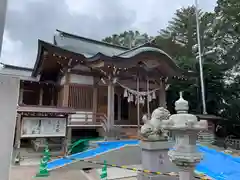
point(23, 75)
point(9, 89)
point(78, 79)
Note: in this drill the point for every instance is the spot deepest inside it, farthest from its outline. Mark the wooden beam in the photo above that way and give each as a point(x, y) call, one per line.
point(85, 73)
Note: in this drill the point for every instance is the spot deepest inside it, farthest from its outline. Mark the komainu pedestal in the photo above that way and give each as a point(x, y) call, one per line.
point(155, 159)
point(155, 146)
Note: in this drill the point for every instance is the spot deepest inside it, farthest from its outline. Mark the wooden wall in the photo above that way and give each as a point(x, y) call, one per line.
point(80, 97)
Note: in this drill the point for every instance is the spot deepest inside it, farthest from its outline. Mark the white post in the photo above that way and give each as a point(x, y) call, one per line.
point(9, 93)
point(200, 60)
point(3, 9)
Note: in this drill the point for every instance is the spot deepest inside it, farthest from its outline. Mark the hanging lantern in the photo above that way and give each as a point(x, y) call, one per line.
point(153, 95)
point(125, 93)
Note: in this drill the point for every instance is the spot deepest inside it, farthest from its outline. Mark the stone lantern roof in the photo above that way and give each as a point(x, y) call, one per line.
point(181, 105)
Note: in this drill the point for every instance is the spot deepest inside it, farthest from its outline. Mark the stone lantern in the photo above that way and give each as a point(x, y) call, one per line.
point(185, 128)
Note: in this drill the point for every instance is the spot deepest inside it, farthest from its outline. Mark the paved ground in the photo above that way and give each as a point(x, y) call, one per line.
point(27, 173)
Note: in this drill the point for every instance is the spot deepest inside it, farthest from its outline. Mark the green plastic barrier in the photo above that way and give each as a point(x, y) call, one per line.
point(81, 145)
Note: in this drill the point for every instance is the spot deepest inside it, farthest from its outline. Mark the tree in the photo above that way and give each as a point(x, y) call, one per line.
point(181, 34)
point(227, 31)
point(220, 44)
point(128, 39)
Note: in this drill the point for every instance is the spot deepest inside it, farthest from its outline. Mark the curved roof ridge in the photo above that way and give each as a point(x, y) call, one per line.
point(136, 47)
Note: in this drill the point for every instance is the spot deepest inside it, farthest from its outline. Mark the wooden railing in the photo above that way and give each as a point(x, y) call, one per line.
point(88, 119)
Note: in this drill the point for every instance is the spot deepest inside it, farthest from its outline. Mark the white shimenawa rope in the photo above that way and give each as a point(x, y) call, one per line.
point(143, 93)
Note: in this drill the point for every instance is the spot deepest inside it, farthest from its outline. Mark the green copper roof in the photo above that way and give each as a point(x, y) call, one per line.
point(85, 46)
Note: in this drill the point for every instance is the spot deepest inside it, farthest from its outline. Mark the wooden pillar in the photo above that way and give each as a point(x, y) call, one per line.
point(17, 143)
point(20, 99)
point(68, 138)
point(162, 95)
point(53, 94)
point(95, 101)
point(66, 91)
point(119, 107)
point(110, 113)
point(65, 103)
point(41, 97)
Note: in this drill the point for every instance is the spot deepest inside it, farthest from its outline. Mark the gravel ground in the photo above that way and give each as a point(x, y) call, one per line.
point(27, 173)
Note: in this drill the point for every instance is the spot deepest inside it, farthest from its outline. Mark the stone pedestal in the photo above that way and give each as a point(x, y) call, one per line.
point(155, 158)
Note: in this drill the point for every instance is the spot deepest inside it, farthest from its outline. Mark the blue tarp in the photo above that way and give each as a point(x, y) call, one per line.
point(218, 165)
point(215, 164)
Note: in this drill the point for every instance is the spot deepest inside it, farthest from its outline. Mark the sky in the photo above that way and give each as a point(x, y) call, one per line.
point(30, 20)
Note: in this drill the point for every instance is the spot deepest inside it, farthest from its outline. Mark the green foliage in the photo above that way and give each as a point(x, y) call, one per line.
point(220, 44)
point(128, 39)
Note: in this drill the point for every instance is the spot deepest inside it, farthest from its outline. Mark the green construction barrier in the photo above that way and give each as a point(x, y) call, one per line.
point(81, 145)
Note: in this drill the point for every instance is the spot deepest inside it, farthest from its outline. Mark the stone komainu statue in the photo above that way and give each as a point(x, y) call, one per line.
point(153, 130)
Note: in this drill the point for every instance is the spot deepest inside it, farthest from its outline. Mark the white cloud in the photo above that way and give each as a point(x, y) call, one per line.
point(12, 51)
point(151, 15)
point(30, 20)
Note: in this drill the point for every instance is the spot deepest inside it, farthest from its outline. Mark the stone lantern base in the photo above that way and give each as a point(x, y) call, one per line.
point(155, 158)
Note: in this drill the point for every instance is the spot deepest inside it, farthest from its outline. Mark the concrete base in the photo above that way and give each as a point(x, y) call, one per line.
point(141, 176)
point(155, 158)
point(128, 155)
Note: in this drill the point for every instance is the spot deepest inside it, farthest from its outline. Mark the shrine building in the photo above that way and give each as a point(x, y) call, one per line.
point(81, 87)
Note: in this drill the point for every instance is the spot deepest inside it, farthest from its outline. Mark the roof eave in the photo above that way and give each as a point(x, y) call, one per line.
point(9, 66)
point(38, 59)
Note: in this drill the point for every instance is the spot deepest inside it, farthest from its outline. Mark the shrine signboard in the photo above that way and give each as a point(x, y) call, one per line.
point(43, 127)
